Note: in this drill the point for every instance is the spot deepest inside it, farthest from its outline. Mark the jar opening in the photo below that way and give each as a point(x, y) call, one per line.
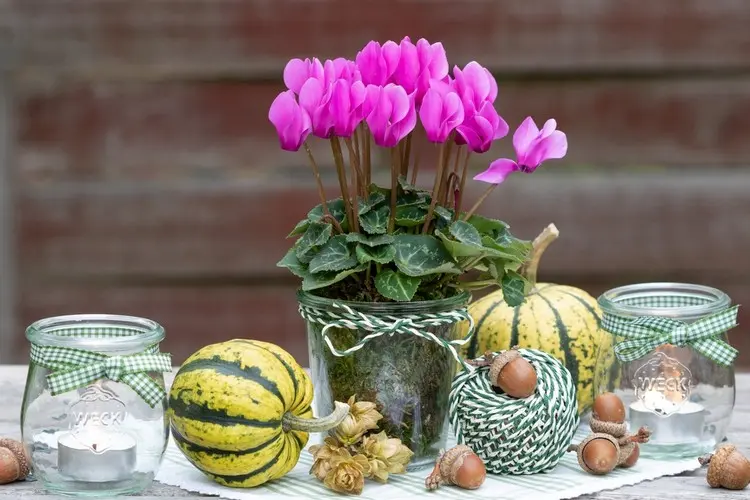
point(94, 330)
point(675, 300)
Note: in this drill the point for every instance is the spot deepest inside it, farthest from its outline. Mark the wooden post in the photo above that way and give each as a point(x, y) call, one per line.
point(9, 333)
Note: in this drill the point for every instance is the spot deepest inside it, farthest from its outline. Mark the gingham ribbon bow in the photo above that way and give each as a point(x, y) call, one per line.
point(415, 324)
point(75, 368)
point(646, 333)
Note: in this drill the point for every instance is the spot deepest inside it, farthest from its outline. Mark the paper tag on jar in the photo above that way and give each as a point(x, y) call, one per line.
point(662, 384)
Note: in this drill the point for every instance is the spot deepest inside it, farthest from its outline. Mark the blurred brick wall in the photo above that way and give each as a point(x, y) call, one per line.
point(148, 181)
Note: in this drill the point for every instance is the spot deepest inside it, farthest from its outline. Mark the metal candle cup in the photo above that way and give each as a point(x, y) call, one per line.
point(96, 456)
point(682, 427)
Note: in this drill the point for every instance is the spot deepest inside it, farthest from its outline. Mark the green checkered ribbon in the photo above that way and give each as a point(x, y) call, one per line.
point(380, 325)
point(645, 333)
point(75, 368)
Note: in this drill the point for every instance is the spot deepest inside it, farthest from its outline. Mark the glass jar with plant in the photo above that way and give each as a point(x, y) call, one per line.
point(387, 270)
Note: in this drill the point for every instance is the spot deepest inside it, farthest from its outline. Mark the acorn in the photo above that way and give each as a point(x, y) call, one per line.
point(727, 468)
point(608, 415)
point(14, 463)
point(600, 453)
point(514, 375)
point(459, 466)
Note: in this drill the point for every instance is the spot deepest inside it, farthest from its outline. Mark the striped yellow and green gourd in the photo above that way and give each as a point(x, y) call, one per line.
point(240, 412)
point(561, 320)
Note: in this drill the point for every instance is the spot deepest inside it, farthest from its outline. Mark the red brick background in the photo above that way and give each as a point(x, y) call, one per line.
point(147, 179)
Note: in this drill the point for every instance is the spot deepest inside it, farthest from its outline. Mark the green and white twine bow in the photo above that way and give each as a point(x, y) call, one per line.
point(380, 325)
point(75, 368)
point(645, 333)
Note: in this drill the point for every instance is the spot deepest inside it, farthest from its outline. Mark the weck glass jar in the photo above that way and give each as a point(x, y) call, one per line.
point(93, 415)
point(673, 367)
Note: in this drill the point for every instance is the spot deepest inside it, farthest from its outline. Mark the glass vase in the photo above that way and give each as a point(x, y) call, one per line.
point(684, 397)
point(408, 377)
point(100, 438)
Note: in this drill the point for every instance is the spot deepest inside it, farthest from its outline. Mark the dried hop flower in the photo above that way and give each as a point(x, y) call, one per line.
point(347, 473)
point(393, 455)
point(322, 454)
point(362, 417)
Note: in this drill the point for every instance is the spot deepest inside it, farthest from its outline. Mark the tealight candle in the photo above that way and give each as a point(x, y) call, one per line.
point(94, 455)
point(685, 425)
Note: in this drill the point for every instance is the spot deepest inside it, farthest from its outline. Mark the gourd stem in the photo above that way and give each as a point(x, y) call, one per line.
point(538, 247)
point(291, 422)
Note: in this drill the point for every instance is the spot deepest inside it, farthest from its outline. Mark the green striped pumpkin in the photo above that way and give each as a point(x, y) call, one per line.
point(240, 412)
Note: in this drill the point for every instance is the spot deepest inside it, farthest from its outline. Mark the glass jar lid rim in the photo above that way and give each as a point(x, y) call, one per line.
point(714, 299)
point(142, 331)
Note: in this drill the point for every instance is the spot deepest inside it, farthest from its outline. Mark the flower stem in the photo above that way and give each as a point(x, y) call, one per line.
point(321, 193)
point(417, 154)
point(368, 163)
point(540, 244)
point(444, 180)
point(462, 185)
point(394, 188)
point(354, 160)
point(407, 154)
point(291, 422)
point(435, 188)
point(338, 157)
point(479, 201)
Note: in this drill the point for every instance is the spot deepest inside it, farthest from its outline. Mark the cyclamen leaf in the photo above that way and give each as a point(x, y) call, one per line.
point(372, 201)
point(371, 241)
point(458, 249)
point(517, 252)
point(300, 228)
point(291, 262)
point(466, 233)
point(335, 255)
point(314, 281)
point(335, 207)
point(445, 214)
point(485, 225)
point(382, 254)
point(413, 198)
point(514, 288)
point(316, 235)
point(396, 286)
point(405, 185)
point(375, 221)
point(421, 254)
point(410, 216)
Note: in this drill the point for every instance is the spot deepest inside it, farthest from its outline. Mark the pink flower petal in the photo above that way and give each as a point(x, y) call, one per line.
point(549, 127)
point(522, 138)
point(554, 146)
point(492, 96)
point(400, 100)
point(438, 62)
point(311, 94)
point(340, 108)
point(501, 129)
point(476, 78)
point(498, 171)
point(430, 114)
point(391, 55)
point(296, 74)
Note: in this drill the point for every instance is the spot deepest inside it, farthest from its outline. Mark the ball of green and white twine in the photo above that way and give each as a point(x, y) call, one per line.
point(516, 436)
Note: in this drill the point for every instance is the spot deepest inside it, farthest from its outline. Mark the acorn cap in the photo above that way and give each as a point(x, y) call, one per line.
point(586, 441)
point(625, 451)
point(20, 453)
point(611, 428)
point(717, 464)
point(452, 460)
point(500, 361)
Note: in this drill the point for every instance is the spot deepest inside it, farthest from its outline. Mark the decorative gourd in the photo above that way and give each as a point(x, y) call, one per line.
point(561, 320)
point(240, 412)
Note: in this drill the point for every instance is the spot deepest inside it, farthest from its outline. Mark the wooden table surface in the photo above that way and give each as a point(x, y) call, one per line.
point(687, 486)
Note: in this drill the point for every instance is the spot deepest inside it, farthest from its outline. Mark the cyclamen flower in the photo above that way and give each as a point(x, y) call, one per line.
point(475, 84)
point(377, 64)
point(291, 121)
point(480, 128)
point(441, 112)
point(345, 106)
point(314, 98)
point(390, 113)
point(419, 65)
point(533, 147)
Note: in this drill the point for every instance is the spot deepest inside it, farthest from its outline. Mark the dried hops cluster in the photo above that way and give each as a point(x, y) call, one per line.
point(353, 451)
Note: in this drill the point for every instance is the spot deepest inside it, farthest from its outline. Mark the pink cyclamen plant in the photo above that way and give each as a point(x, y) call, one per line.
point(393, 96)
